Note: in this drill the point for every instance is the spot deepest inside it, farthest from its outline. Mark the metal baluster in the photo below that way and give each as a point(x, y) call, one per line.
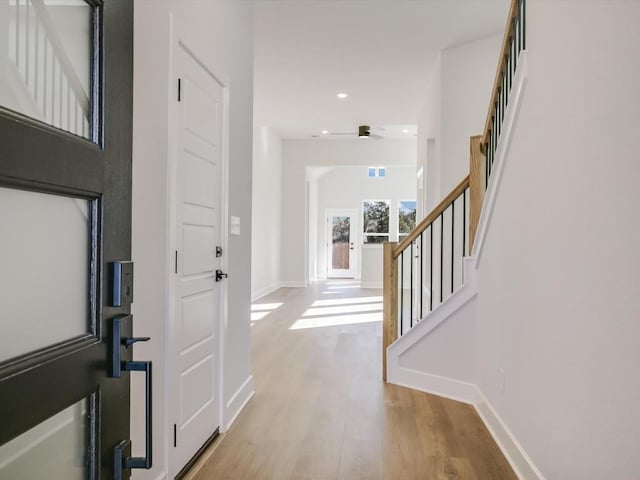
point(441, 255)
point(401, 291)
point(464, 222)
point(516, 50)
point(453, 221)
point(431, 267)
point(421, 269)
point(487, 160)
point(411, 288)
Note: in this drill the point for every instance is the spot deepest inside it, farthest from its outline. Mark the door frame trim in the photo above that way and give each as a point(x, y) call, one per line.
point(352, 212)
point(178, 38)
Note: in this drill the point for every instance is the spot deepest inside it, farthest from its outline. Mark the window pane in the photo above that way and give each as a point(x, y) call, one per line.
point(376, 216)
point(381, 172)
point(406, 216)
point(371, 172)
point(56, 449)
point(370, 239)
point(44, 279)
point(48, 48)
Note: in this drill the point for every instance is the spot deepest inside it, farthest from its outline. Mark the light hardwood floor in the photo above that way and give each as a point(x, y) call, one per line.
point(322, 412)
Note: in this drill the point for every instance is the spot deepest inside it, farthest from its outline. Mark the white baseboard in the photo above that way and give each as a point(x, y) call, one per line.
point(264, 292)
point(293, 284)
point(515, 454)
point(370, 284)
point(435, 384)
point(238, 401)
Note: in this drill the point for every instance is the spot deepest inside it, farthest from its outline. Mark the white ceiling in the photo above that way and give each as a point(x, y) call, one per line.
point(380, 52)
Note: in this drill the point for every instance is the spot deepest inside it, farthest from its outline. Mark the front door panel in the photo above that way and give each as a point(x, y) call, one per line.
point(65, 215)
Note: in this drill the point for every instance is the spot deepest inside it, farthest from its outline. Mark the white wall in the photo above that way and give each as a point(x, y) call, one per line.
point(559, 298)
point(347, 187)
point(455, 109)
point(266, 211)
point(297, 155)
point(222, 35)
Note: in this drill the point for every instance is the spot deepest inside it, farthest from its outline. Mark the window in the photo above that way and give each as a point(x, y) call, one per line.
point(375, 221)
point(406, 218)
point(373, 172)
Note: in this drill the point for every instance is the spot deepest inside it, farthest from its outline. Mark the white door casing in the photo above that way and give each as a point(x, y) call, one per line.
point(196, 303)
point(346, 266)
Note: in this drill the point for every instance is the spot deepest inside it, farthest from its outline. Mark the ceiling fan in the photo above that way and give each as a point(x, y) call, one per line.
point(364, 131)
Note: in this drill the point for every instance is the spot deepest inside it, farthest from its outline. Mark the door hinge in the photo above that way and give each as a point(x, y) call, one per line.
point(175, 435)
point(179, 89)
point(176, 263)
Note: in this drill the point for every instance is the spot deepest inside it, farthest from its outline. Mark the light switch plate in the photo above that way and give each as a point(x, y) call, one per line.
point(235, 225)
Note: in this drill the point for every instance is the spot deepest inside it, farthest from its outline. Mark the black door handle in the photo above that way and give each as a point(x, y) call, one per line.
point(220, 275)
point(122, 452)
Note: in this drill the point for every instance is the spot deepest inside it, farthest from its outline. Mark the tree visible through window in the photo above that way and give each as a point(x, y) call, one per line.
point(375, 221)
point(406, 218)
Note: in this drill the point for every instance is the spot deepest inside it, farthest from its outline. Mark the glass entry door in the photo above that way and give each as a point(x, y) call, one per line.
point(65, 217)
point(341, 243)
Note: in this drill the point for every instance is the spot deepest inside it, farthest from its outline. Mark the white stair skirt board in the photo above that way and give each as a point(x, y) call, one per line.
point(263, 292)
point(517, 457)
point(422, 380)
point(237, 403)
point(510, 117)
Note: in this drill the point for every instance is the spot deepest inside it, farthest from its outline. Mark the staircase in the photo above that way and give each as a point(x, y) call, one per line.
point(429, 276)
point(38, 70)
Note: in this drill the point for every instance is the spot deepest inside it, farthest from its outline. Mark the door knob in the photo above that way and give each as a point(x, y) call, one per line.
point(220, 275)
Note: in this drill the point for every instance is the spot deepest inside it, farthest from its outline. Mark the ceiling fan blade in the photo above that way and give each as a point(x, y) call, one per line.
point(342, 133)
point(377, 137)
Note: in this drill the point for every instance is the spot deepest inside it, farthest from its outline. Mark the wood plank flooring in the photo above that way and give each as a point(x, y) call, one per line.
point(321, 411)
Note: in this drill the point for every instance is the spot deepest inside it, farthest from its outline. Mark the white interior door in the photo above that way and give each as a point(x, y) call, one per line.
point(341, 243)
point(197, 294)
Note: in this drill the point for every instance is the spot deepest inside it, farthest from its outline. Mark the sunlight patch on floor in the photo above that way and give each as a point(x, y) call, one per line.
point(345, 301)
point(339, 309)
point(343, 287)
point(261, 310)
point(336, 320)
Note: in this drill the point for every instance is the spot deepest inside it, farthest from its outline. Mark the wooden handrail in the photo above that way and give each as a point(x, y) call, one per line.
point(435, 213)
point(505, 51)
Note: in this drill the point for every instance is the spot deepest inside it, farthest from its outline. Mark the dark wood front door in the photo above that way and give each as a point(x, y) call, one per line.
point(65, 216)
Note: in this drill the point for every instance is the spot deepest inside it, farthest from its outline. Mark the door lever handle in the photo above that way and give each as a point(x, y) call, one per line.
point(220, 275)
point(131, 340)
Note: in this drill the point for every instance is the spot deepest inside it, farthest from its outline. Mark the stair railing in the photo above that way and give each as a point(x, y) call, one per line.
point(446, 235)
point(425, 268)
point(45, 69)
point(513, 43)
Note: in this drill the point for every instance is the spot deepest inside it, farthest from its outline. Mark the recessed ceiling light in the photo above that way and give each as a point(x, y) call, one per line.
point(342, 96)
point(325, 132)
point(405, 131)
